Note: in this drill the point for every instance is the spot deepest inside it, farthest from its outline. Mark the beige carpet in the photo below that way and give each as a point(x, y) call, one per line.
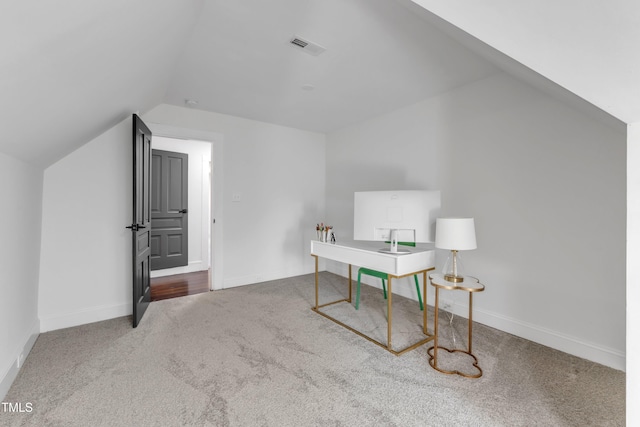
point(258, 356)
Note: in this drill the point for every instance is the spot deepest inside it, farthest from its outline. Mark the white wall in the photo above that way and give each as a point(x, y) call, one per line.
point(633, 273)
point(279, 174)
point(20, 216)
point(198, 201)
point(546, 186)
point(85, 271)
point(85, 264)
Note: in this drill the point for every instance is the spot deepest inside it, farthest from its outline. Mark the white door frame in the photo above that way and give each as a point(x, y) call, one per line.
point(216, 140)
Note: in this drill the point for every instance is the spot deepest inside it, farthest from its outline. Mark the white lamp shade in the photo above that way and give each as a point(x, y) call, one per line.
point(455, 234)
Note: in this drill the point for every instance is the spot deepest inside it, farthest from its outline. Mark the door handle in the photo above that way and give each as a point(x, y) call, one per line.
point(182, 211)
point(136, 227)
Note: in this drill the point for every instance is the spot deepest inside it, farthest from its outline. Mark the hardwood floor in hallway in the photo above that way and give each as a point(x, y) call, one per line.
point(179, 285)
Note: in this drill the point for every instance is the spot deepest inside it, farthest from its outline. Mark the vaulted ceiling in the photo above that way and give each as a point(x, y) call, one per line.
point(590, 48)
point(379, 57)
point(71, 69)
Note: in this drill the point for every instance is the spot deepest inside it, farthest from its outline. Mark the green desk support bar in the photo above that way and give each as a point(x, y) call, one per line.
point(383, 277)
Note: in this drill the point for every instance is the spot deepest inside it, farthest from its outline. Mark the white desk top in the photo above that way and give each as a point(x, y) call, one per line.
point(365, 254)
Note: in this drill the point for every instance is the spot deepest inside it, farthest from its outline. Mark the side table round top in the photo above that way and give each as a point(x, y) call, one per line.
point(469, 283)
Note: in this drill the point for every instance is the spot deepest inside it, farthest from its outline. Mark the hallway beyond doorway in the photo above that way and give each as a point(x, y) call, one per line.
point(179, 285)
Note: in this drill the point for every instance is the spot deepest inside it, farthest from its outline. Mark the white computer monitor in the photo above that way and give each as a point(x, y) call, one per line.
point(396, 216)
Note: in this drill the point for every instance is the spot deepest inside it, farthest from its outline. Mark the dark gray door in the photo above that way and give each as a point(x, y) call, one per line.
point(141, 225)
point(169, 225)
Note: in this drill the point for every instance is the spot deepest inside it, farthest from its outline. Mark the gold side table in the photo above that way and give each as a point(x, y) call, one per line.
point(471, 285)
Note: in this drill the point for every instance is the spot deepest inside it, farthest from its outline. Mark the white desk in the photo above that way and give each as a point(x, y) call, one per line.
point(420, 260)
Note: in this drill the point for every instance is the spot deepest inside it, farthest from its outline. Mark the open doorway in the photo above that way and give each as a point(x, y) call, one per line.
point(216, 141)
point(198, 209)
point(169, 201)
point(179, 285)
point(192, 274)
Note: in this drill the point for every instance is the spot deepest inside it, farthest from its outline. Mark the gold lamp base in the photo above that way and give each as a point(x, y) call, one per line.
point(452, 278)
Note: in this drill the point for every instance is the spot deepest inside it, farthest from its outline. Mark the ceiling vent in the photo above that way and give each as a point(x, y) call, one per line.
point(307, 46)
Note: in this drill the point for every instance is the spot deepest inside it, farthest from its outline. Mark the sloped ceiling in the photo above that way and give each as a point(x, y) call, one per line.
point(379, 57)
point(71, 69)
point(588, 47)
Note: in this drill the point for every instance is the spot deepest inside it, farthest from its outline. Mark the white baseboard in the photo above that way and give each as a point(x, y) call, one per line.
point(11, 372)
point(587, 350)
point(191, 268)
point(84, 316)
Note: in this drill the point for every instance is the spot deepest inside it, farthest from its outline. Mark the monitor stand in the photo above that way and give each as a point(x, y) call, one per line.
point(393, 247)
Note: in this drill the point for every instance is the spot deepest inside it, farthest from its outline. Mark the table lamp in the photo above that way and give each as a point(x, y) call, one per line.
point(456, 234)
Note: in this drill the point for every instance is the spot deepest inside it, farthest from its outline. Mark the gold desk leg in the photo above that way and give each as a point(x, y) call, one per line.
point(316, 277)
point(386, 345)
point(317, 306)
point(316, 257)
point(424, 299)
